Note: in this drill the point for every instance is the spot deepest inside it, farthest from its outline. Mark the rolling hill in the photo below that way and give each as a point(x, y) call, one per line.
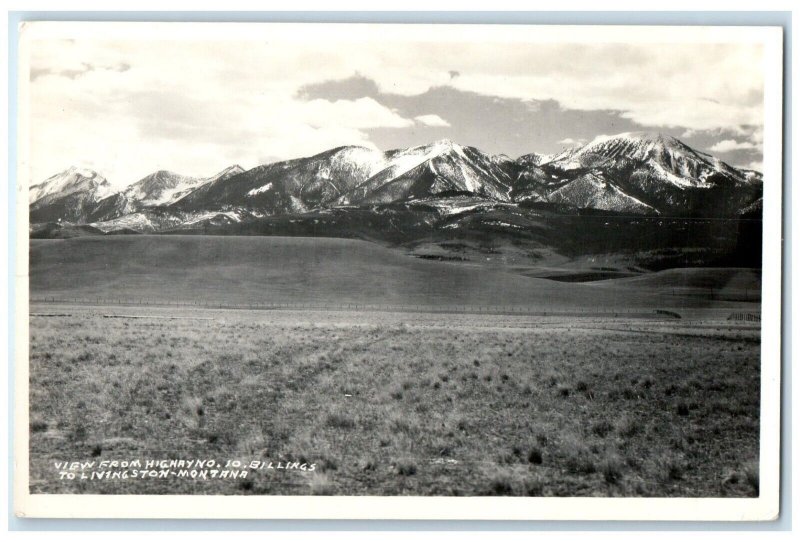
point(257, 269)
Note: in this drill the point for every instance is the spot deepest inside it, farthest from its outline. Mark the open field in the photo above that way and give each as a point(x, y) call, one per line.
point(388, 403)
point(457, 379)
point(246, 270)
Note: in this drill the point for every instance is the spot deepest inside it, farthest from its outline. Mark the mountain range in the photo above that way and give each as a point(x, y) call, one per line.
point(438, 186)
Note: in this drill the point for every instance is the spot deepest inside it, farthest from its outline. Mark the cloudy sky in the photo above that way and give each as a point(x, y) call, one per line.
point(128, 108)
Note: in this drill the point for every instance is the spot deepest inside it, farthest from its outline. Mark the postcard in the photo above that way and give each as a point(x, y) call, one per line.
point(376, 271)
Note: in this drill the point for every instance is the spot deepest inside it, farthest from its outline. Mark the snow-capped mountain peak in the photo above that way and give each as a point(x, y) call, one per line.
point(534, 159)
point(227, 173)
point(445, 144)
point(635, 145)
point(656, 138)
point(234, 170)
point(69, 181)
point(83, 172)
point(356, 157)
point(664, 157)
point(632, 172)
point(160, 188)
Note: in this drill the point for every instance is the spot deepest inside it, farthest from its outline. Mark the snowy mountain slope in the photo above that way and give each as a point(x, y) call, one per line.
point(159, 188)
point(533, 159)
point(166, 187)
point(664, 156)
point(631, 173)
point(289, 186)
point(150, 220)
point(532, 183)
point(658, 171)
point(69, 195)
point(113, 206)
point(590, 191)
point(442, 167)
point(70, 181)
point(226, 173)
point(137, 221)
point(82, 196)
point(357, 176)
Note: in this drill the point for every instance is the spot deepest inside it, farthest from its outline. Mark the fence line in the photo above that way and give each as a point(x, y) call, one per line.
point(446, 309)
point(745, 317)
point(281, 305)
point(713, 294)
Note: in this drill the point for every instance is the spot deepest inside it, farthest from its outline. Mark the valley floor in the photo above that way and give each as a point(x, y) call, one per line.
point(396, 403)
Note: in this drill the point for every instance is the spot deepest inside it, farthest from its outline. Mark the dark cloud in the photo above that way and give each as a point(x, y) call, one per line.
point(498, 125)
point(503, 125)
point(69, 74)
point(704, 140)
point(73, 74)
point(36, 73)
point(352, 88)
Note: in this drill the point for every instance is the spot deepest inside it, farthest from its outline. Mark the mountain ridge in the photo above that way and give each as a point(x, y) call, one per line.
point(634, 172)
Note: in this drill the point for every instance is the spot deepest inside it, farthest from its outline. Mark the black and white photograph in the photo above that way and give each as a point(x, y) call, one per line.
point(512, 263)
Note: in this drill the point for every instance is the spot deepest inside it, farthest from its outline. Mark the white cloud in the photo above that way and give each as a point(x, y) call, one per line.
point(191, 108)
point(360, 113)
point(727, 145)
point(669, 86)
point(432, 120)
point(757, 136)
point(757, 166)
point(131, 107)
point(573, 142)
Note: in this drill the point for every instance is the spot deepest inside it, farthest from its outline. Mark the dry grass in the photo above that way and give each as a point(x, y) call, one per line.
point(388, 404)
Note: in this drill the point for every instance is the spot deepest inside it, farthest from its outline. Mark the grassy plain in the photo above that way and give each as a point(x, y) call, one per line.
point(242, 270)
point(398, 403)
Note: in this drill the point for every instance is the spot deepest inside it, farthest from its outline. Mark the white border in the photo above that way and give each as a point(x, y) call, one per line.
point(764, 507)
point(367, 32)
